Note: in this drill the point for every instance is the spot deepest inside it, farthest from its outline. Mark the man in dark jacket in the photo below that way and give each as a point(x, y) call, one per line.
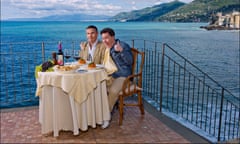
point(122, 57)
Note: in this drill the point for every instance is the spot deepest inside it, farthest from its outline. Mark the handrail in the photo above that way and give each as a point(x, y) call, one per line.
point(197, 68)
point(186, 90)
point(221, 125)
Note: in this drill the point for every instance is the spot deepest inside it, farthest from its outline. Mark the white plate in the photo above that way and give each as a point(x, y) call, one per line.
point(74, 63)
point(81, 71)
point(65, 72)
point(62, 71)
point(85, 67)
point(99, 66)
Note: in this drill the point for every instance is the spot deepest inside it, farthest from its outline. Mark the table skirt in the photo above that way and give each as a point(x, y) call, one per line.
point(58, 111)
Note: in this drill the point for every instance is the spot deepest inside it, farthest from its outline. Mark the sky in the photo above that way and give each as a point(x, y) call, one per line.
point(41, 8)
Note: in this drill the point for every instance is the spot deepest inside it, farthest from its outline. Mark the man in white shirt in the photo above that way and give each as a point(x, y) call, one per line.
point(92, 50)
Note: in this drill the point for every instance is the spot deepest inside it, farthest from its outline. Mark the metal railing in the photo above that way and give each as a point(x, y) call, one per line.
point(17, 74)
point(171, 83)
point(18, 62)
point(195, 93)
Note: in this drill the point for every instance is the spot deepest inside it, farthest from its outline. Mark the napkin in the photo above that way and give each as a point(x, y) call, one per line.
point(108, 63)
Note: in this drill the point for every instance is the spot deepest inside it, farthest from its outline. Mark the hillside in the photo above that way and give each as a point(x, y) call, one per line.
point(149, 13)
point(200, 10)
point(176, 11)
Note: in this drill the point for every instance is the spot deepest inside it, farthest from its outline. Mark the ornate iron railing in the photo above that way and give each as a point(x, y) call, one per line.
point(175, 85)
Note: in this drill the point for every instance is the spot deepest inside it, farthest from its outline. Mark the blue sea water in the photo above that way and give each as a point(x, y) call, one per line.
point(215, 52)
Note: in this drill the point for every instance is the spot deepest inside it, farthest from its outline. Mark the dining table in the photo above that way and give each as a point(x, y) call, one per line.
point(72, 100)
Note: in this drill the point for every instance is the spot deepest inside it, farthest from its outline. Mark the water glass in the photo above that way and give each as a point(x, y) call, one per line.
point(76, 54)
point(67, 53)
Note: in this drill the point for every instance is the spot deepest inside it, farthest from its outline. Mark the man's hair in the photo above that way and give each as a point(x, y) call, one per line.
point(92, 26)
point(108, 30)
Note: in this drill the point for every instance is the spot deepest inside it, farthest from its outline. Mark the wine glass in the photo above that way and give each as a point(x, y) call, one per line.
point(89, 58)
point(76, 55)
point(67, 53)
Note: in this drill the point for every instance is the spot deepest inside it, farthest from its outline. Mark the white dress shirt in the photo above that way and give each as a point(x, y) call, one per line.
point(91, 50)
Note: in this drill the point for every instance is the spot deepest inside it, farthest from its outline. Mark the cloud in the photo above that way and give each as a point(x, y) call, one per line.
point(41, 8)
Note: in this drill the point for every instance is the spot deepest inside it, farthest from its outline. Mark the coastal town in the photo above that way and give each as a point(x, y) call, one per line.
point(224, 22)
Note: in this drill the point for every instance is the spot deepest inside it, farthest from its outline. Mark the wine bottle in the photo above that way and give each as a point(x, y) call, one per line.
point(54, 58)
point(60, 56)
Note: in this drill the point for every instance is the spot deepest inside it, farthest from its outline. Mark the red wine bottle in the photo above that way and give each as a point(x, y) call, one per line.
point(60, 56)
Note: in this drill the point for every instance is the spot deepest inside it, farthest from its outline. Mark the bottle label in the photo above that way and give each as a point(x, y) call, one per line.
point(60, 60)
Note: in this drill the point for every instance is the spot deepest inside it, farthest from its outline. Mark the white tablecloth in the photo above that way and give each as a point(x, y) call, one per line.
point(60, 111)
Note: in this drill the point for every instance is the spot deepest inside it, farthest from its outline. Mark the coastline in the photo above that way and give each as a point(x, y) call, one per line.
point(217, 27)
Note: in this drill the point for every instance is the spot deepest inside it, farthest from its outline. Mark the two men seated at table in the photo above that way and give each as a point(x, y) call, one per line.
point(120, 53)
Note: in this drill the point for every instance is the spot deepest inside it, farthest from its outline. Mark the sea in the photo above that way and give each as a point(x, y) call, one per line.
point(216, 52)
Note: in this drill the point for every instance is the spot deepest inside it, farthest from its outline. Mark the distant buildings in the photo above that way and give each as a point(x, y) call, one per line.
point(229, 20)
point(224, 22)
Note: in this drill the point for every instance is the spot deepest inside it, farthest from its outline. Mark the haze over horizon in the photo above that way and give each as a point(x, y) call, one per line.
point(11, 9)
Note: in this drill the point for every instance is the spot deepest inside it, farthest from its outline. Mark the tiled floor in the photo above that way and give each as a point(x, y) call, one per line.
point(22, 126)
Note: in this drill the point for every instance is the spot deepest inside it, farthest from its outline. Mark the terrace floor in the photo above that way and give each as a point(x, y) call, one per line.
point(21, 125)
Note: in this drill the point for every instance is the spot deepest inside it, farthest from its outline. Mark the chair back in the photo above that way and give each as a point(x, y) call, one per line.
point(132, 85)
point(138, 62)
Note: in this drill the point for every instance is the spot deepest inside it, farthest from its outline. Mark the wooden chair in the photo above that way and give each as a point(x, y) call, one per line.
point(132, 85)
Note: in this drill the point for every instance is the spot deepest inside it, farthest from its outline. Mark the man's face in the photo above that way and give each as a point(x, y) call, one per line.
point(91, 35)
point(108, 40)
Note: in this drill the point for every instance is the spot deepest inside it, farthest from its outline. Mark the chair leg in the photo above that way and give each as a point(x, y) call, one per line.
point(120, 109)
point(140, 103)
